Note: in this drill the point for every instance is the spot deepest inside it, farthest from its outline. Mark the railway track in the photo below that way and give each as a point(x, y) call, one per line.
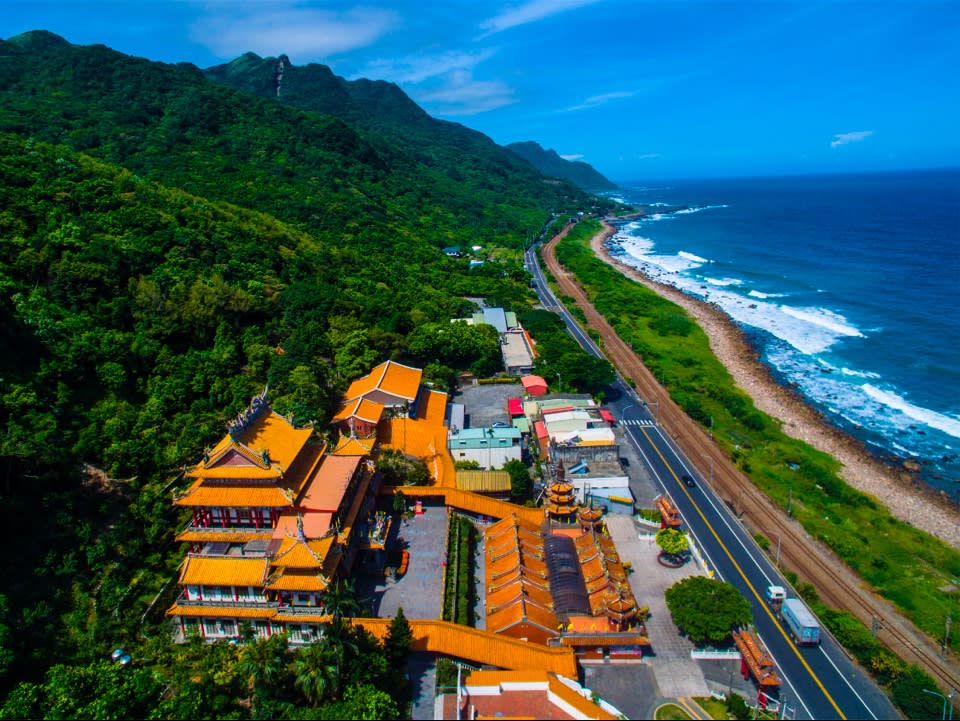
point(836, 583)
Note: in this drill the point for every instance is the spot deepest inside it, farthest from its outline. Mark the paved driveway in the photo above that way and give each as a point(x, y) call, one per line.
point(419, 591)
point(675, 672)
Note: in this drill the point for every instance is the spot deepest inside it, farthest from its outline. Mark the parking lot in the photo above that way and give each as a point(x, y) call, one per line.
point(487, 404)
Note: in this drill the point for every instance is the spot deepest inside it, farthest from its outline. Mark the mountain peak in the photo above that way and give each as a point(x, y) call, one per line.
point(38, 40)
point(550, 163)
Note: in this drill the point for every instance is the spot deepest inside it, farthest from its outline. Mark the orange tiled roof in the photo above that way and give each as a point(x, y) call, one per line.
point(495, 678)
point(185, 609)
point(238, 472)
point(295, 580)
point(302, 618)
point(224, 536)
point(482, 647)
point(265, 496)
point(270, 432)
point(514, 614)
point(315, 525)
point(362, 408)
point(294, 553)
point(389, 377)
point(324, 491)
point(587, 708)
point(423, 439)
point(509, 594)
point(348, 446)
point(432, 407)
point(223, 571)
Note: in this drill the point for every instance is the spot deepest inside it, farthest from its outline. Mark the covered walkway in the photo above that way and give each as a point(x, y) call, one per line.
point(481, 647)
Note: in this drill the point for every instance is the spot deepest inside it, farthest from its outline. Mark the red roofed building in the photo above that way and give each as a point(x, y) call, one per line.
point(525, 694)
point(534, 385)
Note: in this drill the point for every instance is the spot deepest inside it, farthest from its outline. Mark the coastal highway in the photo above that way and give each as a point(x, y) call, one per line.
point(819, 682)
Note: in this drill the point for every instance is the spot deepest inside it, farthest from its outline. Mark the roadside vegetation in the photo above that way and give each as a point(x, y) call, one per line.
point(459, 587)
point(905, 565)
point(707, 611)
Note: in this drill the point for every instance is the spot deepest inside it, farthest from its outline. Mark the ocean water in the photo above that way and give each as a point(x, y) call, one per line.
point(848, 286)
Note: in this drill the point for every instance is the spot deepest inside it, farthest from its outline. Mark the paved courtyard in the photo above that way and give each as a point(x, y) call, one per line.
point(675, 672)
point(419, 591)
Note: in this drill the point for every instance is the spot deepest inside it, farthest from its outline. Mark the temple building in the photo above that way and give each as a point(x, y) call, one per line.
point(272, 524)
point(561, 586)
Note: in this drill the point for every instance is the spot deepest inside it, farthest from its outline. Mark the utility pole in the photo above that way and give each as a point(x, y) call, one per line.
point(789, 502)
point(946, 636)
point(875, 625)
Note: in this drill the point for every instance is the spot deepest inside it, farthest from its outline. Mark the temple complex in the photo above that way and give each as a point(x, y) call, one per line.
point(273, 514)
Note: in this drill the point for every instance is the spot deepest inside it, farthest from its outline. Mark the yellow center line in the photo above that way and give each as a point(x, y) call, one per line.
point(743, 575)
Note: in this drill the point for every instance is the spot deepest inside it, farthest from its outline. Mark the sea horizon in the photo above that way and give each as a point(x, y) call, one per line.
point(843, 282)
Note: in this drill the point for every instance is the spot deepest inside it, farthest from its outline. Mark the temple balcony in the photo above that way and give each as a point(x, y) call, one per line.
point(184, 600)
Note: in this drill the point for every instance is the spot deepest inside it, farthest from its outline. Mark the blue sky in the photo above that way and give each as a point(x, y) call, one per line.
point(640, 89)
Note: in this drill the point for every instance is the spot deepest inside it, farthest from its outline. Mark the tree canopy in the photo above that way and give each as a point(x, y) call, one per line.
point(707, 610)
point(672, 542)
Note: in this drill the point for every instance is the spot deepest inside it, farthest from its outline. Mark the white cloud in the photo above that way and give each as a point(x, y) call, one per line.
point(417, 68)
point(574, 156)
point(845, 138)
point(300, 32)
point(597, 100)
point(529, 12)
point(464, 95)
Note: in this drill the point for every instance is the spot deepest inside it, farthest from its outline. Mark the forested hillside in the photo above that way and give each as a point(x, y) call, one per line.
point(549, 162)
point(168, 246)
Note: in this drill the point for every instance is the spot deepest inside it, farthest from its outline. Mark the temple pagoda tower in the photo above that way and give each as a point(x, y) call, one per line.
point(620, 607)
point(561, 504)
point(590, 518)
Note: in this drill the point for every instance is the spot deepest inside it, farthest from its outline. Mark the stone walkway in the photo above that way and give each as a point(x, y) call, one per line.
point(675, 672)
point(420, 590)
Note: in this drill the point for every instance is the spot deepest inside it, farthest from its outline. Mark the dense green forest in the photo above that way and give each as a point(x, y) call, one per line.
point(168, 246)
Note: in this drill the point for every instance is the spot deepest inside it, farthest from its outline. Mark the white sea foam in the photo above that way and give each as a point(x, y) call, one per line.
point(640, 251)
point(699, 208)
point(825, 318)
point(763, 296)
point(858, 374)
point(723, 282)
point(940, 421)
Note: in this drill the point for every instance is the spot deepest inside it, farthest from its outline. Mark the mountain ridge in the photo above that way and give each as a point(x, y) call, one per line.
point(551, 164)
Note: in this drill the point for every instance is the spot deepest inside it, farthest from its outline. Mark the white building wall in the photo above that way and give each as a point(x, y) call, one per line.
point(488, 458)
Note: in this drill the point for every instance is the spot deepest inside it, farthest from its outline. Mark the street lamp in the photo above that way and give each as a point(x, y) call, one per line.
point(657, 412)
point(710, 461)
point(947, 701)
point(559, 383)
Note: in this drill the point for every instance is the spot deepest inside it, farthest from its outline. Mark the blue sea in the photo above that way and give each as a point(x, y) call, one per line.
point(848, 286)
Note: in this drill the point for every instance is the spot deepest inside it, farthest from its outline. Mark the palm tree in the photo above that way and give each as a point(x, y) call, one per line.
point(316, 672)
point(340, 599)
point(263, 662)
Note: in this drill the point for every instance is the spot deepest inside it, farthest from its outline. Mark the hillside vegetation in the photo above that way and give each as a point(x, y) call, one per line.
point(549, 162)
point(168, 246)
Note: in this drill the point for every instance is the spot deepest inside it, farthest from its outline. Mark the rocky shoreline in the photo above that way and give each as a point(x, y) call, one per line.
point(908, 499)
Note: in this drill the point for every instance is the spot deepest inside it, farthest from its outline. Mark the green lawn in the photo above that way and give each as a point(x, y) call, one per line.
point(671, 712)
